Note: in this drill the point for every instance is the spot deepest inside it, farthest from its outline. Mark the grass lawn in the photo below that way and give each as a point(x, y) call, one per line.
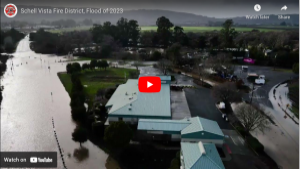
point(294, 96)
point(66, 81)
point(81, 28)
point(95, 80)
point(295, 110)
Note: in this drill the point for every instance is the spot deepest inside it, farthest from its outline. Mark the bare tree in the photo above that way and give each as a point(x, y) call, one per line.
point(252, 118)
point(200, 69)
point(220, 63)
point(283, 39)
point(137, 61)
point(164, 64)
point(227, 92)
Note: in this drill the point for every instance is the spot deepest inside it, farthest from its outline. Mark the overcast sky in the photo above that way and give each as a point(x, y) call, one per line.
point(212, 8)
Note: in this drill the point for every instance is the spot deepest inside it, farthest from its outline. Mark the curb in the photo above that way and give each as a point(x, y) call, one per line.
point(244, 139)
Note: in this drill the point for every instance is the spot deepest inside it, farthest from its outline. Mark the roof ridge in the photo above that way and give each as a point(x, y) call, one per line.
point(163, 121)
point(196, 161)
point(123, 106)
point(213, 162)
point(208, 129)
point(200, 124)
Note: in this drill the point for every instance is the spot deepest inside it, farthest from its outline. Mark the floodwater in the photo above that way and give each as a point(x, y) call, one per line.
point(28, 108)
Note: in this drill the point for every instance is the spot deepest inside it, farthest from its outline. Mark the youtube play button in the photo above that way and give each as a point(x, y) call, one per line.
point(149, 84)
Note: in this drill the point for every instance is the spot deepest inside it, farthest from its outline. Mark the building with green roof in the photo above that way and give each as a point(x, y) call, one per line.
point(130, 105)
point(199, 155)
point(189, 129)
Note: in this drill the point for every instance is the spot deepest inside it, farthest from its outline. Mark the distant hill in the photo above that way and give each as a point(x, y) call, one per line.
point(147, 17)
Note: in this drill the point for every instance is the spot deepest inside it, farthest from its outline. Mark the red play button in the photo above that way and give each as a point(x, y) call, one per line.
point(149, 84)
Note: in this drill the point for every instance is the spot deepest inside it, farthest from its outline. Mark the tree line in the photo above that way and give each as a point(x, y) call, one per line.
point(108, 40)
point(3, 59)
point(61, 23)
point(9, 40)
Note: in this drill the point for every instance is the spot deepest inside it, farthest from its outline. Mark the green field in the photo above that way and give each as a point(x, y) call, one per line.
point(195, 29)
point(294, 96)
point(97, 79)
point(82, 28)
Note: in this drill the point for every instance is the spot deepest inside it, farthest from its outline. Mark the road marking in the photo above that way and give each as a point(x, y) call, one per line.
point(228, 149)
point(242, 140)
point(233, 141)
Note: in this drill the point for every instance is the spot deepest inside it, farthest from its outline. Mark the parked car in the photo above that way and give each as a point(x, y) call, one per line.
point(245, 68)
point(252, 76)
point(260, 80)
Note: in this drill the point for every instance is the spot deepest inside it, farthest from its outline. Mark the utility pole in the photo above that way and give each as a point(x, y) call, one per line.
point(252, 93)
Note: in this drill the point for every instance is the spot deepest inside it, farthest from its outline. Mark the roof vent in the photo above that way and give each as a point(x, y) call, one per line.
point(126, 93)
point(201, 148)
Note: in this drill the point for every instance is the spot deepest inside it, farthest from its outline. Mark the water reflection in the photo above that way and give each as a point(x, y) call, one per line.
point(27, 110)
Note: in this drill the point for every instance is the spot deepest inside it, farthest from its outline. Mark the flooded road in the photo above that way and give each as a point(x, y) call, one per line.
point(28, 108)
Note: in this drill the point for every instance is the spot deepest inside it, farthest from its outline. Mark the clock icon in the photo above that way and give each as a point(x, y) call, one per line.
point(257, 7)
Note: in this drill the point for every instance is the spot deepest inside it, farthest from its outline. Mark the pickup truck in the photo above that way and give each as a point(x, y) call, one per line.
point(245, 68)
point(260, 80)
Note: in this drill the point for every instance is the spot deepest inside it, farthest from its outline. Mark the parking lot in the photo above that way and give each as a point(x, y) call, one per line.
point(202, 104)
point(272, 77)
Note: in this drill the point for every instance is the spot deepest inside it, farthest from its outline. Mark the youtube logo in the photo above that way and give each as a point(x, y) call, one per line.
point(149, 84)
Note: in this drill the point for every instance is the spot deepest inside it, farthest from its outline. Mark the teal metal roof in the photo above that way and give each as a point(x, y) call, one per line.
point(185, 126)
point(128, 101)
point(201, 124)
point(161, 77)
point(162, 125)
point(124, 95)
point(200, 156)
point(165, 77)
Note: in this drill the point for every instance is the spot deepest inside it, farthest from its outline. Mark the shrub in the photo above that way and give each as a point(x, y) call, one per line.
point(173, 78)
point(175, 163)
point(296, 68)
point(241, 131)
point(239, 83)
point(255, 144)
point(176, 88)
point(155, 56)
point(118, 134)
point(217, 79)
point(109, 92)
point(204, 84)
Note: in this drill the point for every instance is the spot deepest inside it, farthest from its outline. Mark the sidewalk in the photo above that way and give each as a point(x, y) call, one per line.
point(279, 98)
point(179, 105)
point(281, 142)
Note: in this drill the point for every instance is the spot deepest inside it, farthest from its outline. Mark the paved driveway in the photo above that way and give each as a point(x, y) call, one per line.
point(202, 104)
